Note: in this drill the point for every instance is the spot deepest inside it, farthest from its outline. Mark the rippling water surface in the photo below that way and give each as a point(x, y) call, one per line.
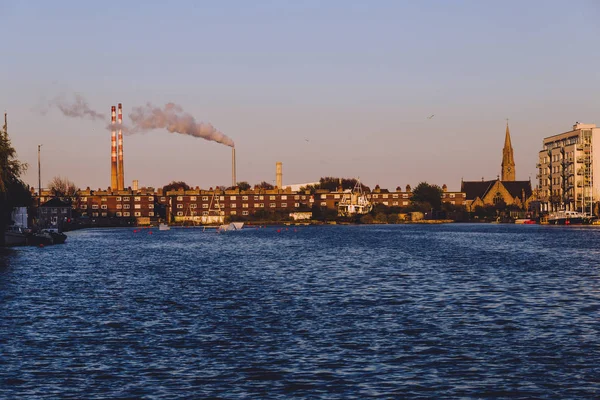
point(346, 312)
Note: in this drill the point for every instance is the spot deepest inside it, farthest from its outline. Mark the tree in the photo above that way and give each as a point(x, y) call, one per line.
point(62, 187)
point(243, 185)
point(176, 185)
point(13, 192)
point(426, 193)
point(264, 185)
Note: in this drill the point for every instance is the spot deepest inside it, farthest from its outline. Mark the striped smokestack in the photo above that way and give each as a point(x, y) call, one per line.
point(278, 175)
point(121, 183)
point(233, 183)
point(113, 150)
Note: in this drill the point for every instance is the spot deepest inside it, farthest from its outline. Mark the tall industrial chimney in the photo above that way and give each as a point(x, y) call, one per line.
point(113, 150)
point(233, 182)
point(278, 175)
point(121, 182)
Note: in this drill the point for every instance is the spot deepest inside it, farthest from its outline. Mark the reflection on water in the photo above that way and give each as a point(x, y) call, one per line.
point(343, 312)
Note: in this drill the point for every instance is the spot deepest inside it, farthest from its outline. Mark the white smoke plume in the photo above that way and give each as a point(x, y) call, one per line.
point(172, 118)
point(77, 109)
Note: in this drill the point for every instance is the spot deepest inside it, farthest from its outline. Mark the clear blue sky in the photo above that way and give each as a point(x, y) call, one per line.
point(358, 79)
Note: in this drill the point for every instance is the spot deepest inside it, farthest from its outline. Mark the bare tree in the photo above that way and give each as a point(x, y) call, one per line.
point(62, 187)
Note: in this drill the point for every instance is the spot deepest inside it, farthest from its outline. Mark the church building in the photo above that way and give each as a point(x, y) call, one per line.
point(503, 190)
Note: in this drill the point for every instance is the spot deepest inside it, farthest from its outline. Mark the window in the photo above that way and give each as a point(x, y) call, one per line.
point(323, 204)
point(385, 196)
point(244, 197)
point(233, 212)
point(283, 197)
point(82, 199)
point(232, 198)
point(192, 198)
point(118, 198)
point(296, 197)
point(271, 197)
point(283, 204)
point(193, 205)
point(151, 198)
point(204, 212)
point(119, 206)
point(244, 212)
point(126, 206)
point(137, 198)
point(233, 205)
point(163, 199)
point(405, 203)
point(452, 195)
point(375, 196)
point(261, 205)
point(272, 205)
point(179, 205)
point(323, 196)
point(395, 203)
point(150, 206)
point(204, 198)
point(151, 214)
point(104, 214)
point(221, 198)
point(94, 206)
point(385, 203)
point(137, 214)
point(118, 214)
point(180, 213)
point(245, 205)
point(405, 195)
point(104, 206)
point(204, 205)
point(296, 205)
point(303, 197)
point(94, 214)
point(125, 198)
point(337, 196)
point(179, 198)
point(103, 199)
point(255, 197)
point(83, 206)
point(395, 195)
point(137, 206)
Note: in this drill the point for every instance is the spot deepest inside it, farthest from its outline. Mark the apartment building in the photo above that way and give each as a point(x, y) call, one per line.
point(566, 168)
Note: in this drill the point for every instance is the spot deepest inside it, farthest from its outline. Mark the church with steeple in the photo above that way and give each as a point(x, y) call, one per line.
point(508, 159)
point(505, 190)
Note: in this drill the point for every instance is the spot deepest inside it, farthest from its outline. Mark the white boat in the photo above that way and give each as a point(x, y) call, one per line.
point(354, 202)
point(234, 226)
point(163, 227)
point(569, 218)
point(15, 236)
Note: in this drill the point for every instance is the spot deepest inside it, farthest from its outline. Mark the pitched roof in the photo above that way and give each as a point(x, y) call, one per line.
point(516, 188)
point(475, 189)
point(56, 202)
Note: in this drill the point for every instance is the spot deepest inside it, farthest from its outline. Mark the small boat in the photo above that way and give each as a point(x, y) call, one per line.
point(15, 236)
point(163, 227)
point(569, 218)
point(234, 226)
point(524, 221)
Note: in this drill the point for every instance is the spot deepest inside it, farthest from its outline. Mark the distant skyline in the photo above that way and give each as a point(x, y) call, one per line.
point(392, 92)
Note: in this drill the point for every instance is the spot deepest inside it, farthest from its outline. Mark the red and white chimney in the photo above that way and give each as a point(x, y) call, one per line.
point(113, 150)
point(121, 180)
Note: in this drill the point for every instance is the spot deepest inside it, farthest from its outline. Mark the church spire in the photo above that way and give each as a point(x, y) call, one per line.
point(508, 161)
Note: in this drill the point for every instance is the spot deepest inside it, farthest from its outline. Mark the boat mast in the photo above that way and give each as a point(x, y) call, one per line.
point(39, 176)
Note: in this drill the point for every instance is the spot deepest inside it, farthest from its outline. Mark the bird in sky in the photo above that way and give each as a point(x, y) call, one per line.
point(431, 116)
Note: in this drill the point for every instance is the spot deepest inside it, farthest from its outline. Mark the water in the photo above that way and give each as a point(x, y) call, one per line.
point(341, 312)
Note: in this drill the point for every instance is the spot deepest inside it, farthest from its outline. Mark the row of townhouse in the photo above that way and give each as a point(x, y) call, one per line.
point(174, 205)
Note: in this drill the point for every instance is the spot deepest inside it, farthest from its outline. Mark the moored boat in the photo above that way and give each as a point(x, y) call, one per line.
point(569, 218)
